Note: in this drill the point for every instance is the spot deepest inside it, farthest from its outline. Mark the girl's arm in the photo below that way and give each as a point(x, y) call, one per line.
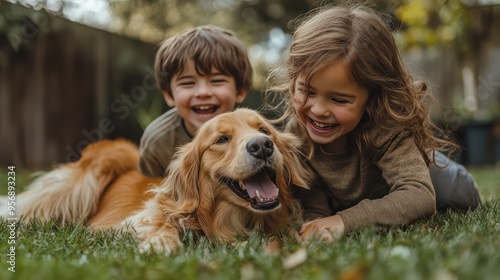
point(411, 194)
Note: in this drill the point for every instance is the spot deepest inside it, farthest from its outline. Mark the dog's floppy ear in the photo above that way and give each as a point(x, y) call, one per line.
point(183, 176)
point(289, 145)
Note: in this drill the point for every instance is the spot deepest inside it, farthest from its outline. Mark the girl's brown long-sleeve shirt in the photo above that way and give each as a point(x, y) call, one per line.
point(389, 187)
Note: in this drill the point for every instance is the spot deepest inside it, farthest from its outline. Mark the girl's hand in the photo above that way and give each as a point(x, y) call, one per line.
point(328, 229)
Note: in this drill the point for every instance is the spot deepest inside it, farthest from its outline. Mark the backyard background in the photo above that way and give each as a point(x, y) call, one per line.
point(73, 72)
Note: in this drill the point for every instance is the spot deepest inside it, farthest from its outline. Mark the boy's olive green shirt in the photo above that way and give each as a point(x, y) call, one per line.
point(160, 141)
point(390, 187)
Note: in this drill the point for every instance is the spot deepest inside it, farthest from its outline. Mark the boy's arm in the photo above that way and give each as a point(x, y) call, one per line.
point(158, 143)
point(150, 165)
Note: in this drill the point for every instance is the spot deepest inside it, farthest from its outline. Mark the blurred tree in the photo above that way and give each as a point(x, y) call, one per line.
point(265, 25)
point(440, 23)
point(420, 23)
point(417, 24)
point(155, 19)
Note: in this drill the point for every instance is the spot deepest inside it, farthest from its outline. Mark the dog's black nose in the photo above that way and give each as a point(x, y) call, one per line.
point(260, 147)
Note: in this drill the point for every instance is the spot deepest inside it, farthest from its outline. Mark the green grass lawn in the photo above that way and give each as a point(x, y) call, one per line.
point(446, 246)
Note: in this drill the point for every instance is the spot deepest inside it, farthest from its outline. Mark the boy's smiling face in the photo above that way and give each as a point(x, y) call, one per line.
point(199, 98)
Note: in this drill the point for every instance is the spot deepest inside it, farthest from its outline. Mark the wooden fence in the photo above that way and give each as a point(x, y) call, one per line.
point(63, 85)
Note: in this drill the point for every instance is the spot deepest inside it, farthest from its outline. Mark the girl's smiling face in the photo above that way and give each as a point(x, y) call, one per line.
point(331, 107)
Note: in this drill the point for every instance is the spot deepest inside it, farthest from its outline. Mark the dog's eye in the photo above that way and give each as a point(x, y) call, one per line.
point(222, 139)
point(264, 130)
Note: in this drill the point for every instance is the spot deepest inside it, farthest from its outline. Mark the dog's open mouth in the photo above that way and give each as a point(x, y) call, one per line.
point(259, 189)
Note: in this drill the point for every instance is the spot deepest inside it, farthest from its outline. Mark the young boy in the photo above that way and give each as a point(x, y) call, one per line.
point(202, 72)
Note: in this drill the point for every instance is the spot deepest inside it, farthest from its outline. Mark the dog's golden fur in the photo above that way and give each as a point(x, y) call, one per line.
point(105, 190)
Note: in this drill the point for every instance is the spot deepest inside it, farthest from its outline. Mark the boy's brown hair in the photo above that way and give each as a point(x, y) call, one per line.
point(208, 46)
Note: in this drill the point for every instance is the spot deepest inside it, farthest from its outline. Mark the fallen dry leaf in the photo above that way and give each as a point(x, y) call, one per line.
point(295, 259)
point(273, 248)
point(353, 273)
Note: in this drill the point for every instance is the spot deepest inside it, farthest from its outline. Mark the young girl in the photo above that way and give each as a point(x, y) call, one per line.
point(366, 128)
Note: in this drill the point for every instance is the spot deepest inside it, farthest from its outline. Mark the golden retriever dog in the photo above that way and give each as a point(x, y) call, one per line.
point(233, 178)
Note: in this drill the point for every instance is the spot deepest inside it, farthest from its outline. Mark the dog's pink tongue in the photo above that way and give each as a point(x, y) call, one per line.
point(262, 183)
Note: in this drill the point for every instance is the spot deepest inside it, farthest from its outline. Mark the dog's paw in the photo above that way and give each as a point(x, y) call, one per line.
point(146, 247)
point(159, 245)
